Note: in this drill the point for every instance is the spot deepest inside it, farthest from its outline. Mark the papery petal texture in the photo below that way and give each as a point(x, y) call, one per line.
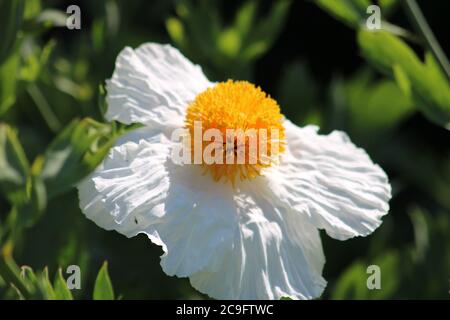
point(332, 182)
point(276, 253)
point(152, 85)
point(138, 189)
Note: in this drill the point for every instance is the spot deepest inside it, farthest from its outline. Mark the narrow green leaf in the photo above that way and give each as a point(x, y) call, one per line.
point(176, 31)
point(11, 274)
point(32, 8)
point(62, 292)
point(402, 80)
point(8, 82)
point(11, 15)
point(266, 31)
point(14, 168)
point(229, 42)
point(103, 289)
point(350, 12)
point(45, 286)
point(52, 18)
point(245, 18)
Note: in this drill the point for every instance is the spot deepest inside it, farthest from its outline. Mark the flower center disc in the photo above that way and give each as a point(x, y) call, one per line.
point(241, 107)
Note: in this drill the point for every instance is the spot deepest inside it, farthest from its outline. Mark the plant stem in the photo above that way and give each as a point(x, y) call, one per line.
point(420, 23)
point(44, 108)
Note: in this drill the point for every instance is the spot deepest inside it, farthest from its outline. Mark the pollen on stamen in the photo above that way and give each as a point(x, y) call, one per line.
point(242, 107)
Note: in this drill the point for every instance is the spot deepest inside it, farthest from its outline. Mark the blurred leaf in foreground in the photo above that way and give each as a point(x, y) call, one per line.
point(62, 292)
point(11, 14)
point(8, 82)
point(103, 289)
point(14, 167)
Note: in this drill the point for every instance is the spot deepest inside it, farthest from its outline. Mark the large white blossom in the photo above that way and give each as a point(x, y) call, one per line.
point(256, 240)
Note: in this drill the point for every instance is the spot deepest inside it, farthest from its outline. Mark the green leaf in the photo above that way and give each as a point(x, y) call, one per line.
point(266, 31)
point(202, 25)
point(352, 284)
point(62, 292)
point(8, 82)
point(103, 289)
point(11, 273)
point(176, 31)
point(350, 12)
point(35, 61)
point(52, 18)
point(229, 42)
point(402, 80)
point(429, 90)
point(434, 68)
point(245, 18)
point(375, 107)
point(11, 14)
point(45, 285)
point(75, 153)
point(14, 168)
point(29, 212)
point(32, 8)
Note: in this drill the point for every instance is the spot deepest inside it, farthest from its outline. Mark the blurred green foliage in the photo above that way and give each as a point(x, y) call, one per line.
point(52, 134)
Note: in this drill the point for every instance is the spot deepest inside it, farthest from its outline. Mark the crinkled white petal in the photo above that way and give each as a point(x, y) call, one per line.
point(153, 85)
point(332, 182)
point(130, 180)
point(138, 189)
point(276, 253)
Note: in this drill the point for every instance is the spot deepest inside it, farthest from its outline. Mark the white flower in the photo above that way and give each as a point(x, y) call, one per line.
point(256, 238)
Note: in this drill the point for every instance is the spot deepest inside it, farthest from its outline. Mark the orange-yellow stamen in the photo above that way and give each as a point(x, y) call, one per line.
point(238, 105)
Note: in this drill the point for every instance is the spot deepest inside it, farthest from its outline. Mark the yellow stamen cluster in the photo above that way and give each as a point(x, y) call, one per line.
point(237, 105)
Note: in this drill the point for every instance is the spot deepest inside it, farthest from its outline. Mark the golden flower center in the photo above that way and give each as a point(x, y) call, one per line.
point(248, 130)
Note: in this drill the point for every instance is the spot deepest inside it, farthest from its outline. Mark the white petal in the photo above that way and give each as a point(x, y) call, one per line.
point(138, 189)
point(276, 253)
point(332, 182)
point(129, 183)
point(233, 243)
point(153, 85)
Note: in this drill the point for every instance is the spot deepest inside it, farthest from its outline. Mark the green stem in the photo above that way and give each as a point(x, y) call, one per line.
point(43, 107)
point(421, 24)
